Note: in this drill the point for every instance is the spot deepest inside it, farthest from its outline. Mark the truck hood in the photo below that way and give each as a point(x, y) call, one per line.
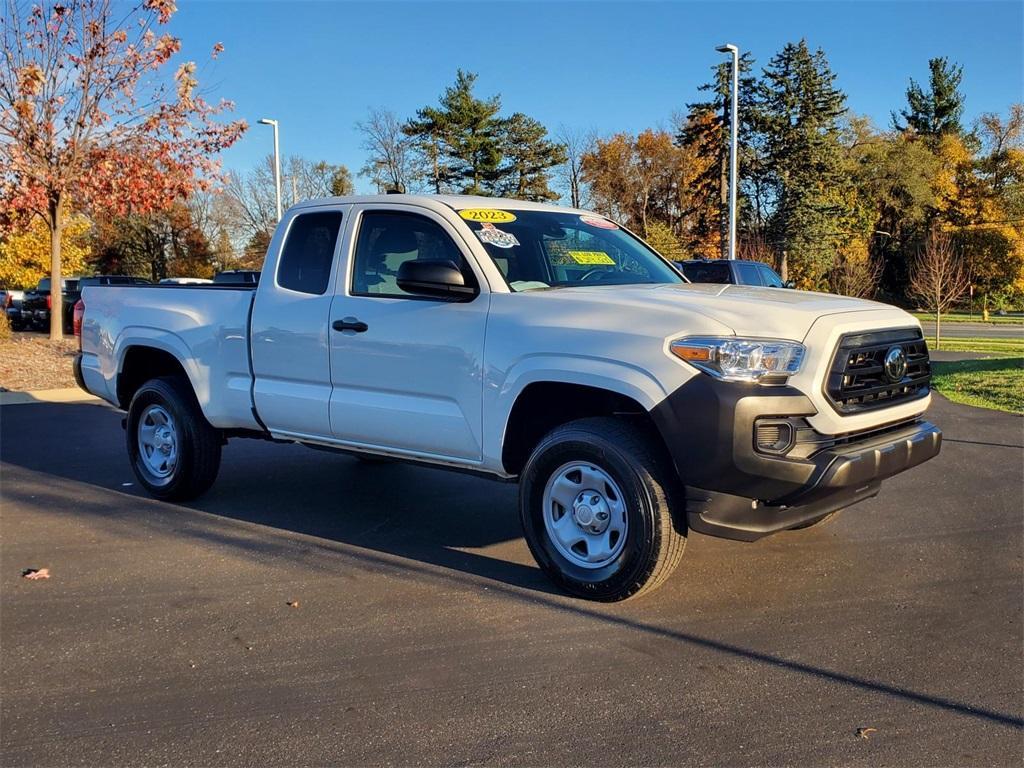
point(776, 313)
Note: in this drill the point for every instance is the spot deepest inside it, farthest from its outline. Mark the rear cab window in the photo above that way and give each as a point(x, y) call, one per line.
point(308, 252)
point(710, 272)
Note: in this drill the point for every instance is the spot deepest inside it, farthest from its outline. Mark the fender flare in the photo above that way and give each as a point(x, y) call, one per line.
point(165, 341)
point(584, 370)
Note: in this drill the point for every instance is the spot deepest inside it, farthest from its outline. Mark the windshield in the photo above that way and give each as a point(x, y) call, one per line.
point(546, 249)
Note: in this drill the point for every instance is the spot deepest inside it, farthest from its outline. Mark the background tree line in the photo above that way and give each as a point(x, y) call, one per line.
point(831, 200)
point(461, 145)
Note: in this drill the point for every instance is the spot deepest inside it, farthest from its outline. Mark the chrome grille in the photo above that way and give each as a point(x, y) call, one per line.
point(858, 380)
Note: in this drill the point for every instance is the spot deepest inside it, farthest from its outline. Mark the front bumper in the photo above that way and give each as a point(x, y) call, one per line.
point(736, 491)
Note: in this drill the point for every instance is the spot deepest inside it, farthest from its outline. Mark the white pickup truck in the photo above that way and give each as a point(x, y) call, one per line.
point(527, 342)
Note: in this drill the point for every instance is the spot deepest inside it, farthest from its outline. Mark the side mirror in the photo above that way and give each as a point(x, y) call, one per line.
point(789, 284)
point(437, 279)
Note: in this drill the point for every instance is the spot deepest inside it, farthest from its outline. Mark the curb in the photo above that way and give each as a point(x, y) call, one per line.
point(69, 395)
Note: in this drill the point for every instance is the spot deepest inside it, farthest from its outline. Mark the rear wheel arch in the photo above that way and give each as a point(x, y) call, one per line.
point(141, 363)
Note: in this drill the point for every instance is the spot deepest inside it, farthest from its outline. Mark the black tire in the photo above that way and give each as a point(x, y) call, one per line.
point(636, 462)
point(197, 443)
point(814, 523)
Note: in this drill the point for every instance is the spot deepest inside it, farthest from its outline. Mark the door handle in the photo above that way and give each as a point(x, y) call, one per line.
point(350, 324)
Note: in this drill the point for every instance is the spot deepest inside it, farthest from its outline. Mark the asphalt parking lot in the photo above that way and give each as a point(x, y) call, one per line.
point(424, 635)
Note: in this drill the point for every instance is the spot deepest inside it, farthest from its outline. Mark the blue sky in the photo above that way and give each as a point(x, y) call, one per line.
point(608, 66)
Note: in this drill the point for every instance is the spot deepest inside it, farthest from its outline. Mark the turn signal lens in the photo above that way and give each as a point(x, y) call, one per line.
point(692, 354)
point(735, 359)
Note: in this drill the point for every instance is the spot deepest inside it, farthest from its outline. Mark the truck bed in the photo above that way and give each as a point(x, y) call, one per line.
point(206, 327)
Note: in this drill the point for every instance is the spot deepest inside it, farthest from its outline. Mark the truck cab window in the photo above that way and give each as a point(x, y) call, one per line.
point(748, 273)
point(769, 278)
point(305, 264)
point(387, 239)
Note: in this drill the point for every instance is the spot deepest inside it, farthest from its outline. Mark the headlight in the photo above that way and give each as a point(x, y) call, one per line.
point(736, 359)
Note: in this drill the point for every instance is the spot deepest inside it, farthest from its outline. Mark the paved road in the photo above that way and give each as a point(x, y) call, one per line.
point(424, 634)
point(976, 330)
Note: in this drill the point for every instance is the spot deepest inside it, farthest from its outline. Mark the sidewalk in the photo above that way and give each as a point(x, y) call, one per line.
point(68, 395)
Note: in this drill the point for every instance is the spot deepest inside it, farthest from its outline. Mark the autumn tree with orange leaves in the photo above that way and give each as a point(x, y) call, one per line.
point(641, 179)
point(91, 118)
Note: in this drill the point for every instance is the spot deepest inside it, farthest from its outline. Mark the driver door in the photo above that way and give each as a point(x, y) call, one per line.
point(406, 370)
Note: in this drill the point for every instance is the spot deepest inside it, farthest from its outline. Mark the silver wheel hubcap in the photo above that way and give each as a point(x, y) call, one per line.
point(585, 515)
point(158, 442)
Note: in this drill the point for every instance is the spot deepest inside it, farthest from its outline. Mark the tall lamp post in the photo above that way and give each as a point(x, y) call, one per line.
point(733, 140)
point(277, 164)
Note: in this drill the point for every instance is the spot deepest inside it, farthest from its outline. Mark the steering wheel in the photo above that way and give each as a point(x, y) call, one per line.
point(594, 275)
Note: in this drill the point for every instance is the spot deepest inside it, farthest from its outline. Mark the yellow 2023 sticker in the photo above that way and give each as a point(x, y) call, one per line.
point(591, 257)
point(491, 215)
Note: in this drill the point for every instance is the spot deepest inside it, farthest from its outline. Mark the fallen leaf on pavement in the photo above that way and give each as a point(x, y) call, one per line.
point(35, 573)
point(865, 733)
point(293, 603)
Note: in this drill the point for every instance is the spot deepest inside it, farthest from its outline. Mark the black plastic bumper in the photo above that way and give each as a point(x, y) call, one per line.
point(735, 491)
point(77, 367)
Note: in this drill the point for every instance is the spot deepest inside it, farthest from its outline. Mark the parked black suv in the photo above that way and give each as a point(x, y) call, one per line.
point(733, 272)
point(35, 307)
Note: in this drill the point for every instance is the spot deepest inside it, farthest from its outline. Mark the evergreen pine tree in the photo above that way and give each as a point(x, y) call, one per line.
point(938, 110)
point(706, 131)
point(529, 155)
point(471, 135)
point(799, 111)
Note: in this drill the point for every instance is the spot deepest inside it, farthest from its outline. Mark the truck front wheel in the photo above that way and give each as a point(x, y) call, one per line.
point(174, 451)
point(595, 501)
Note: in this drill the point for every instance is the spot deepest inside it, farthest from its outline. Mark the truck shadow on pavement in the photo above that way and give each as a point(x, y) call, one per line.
point(407, 521)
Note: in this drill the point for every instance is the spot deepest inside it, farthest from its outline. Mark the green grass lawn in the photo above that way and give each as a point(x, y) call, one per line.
point(997, 383)
point(1008, 347)
point(966, 317)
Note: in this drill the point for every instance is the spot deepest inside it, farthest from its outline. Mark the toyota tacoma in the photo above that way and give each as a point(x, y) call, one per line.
point(531, 343)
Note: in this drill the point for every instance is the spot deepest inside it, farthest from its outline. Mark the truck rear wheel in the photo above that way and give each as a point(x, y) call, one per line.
point(595, 501)
point(174, 451)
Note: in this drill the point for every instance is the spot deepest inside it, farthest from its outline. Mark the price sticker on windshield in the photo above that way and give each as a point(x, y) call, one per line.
point(490, 215)
point(591, 257)
point(599, 222)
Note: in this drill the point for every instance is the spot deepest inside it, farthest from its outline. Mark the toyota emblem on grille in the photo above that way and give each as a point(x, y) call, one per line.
point(895, 364)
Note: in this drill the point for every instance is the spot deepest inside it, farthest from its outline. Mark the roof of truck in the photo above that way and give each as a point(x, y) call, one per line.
point(456, 202)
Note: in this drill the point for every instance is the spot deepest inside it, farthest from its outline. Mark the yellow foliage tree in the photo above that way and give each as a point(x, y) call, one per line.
point(25, 255)
point(661, 238)
point(976, 203)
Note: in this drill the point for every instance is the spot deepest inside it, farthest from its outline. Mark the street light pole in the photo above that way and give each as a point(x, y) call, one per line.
point(277, 164)
point(733, 141)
